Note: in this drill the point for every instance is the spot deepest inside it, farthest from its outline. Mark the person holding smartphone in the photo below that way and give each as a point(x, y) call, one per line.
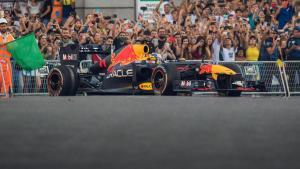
point(186, 49)
point(46, 12)
point(167, 9)
point(293, 50)
point(34, 7)
point(20, 8)
point(269, 50)
point(285, 13)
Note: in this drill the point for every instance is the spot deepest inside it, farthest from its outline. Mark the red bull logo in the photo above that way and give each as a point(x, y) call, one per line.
point(127, 55)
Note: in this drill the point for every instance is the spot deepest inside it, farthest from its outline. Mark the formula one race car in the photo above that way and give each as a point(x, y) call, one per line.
point(132, 70)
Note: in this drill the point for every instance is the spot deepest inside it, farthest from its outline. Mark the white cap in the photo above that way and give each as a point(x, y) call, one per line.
point(3, 20)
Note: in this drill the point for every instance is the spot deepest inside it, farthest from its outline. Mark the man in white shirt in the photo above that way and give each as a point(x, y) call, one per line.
point(167, 10)
point(228, 50)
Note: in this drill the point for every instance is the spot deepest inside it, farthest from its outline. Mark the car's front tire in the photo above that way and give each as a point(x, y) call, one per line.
point(62, 81)
point(225, 86)
point(162, 80)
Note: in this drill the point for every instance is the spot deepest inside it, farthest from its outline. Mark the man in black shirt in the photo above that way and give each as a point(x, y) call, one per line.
point(120, 41)
point(148, 41)
point(293, 45)
point(46, 11)
point(293, 54)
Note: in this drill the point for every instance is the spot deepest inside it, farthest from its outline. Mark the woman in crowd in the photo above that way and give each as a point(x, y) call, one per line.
point(200, 50)
point(45, 47)
point(252, 46)
point(186, 49)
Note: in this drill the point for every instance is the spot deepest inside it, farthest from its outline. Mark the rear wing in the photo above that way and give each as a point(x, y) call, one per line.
point(73, 54)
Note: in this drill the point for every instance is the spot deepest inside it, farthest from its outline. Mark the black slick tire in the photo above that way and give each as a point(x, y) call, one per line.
point(162, 80)
point(61, 81)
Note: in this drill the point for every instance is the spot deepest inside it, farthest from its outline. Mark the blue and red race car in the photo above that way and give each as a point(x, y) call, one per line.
point(132, 70)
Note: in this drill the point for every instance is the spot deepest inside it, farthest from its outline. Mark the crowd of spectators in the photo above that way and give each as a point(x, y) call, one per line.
point(229, 30)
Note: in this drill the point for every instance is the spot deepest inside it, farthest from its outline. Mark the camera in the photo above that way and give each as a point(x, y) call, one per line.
point(272, 11)
point(88, 39)
point(59, 43)
point(227, 27)
point(107, 18)
point(144, 8)
point(73, 13)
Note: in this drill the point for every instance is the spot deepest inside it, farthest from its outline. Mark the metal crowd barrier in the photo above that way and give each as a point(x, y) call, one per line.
point(292, 72)
point(278, 80)
point(31, 82)
point(268, 72)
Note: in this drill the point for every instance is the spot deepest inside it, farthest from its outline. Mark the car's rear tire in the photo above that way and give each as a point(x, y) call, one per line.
point(225, 87)
point(162, 80)
point(225, 82)
point(62, 81)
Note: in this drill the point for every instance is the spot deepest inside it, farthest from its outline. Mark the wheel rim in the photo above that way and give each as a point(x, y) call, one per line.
point(55, 82)
point(159, 80)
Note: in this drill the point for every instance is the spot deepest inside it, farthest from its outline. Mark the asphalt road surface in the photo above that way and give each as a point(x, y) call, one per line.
point(146, 132)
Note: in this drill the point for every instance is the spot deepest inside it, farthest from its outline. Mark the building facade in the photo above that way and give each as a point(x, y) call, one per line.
point(123, 8)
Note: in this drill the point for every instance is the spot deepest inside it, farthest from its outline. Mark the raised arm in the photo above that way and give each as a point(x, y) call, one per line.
point(158, 6)
point(173, 4)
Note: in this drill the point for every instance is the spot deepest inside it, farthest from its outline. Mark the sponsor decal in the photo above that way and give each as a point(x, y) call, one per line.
point(44, 71)
point(120, 73)
point(250, 70)
point(183, 68)
point(126, 56)
point(146, 86)
point(186, 84)
point(206, 69)
point(69, 56)
point(239, 83)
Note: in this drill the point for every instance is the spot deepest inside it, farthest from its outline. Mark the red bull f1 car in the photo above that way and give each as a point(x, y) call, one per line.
point(132, 70)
